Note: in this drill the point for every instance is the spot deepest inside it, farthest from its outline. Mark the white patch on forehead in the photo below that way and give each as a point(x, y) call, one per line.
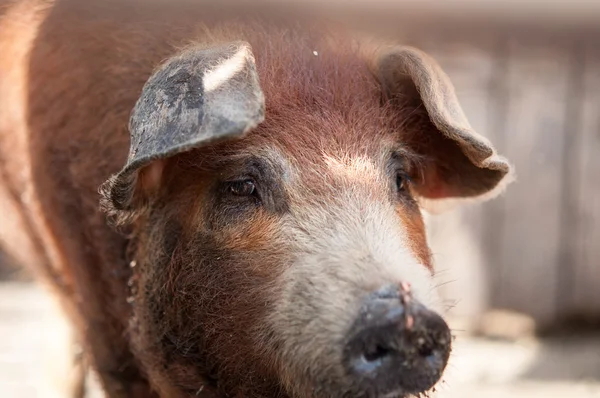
point(352, 166)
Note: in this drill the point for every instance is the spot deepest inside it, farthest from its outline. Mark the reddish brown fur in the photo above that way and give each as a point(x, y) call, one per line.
point(413, 222)
point(63, 131)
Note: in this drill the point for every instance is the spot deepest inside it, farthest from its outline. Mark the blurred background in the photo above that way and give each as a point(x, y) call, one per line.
point(521, 274)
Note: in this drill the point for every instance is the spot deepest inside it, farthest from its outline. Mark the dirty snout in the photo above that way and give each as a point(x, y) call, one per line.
point(396, 345)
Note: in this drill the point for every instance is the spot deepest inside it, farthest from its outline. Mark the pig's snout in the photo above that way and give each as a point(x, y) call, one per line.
point(396, 346)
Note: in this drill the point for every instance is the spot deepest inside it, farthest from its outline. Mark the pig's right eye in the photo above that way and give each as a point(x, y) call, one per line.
point(242, 188)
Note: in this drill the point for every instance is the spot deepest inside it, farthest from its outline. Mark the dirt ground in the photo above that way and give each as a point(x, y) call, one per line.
point(558, 367)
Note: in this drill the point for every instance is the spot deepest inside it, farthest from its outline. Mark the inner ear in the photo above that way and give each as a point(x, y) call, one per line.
point(149, 180)
point(445, 172)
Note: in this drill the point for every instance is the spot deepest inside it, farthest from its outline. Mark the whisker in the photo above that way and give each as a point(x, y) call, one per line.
point(445, 283)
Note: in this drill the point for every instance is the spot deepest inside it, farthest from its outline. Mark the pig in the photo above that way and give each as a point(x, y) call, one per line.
point(231, 206)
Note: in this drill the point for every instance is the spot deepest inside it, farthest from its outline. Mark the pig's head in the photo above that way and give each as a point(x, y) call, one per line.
point(275, 210)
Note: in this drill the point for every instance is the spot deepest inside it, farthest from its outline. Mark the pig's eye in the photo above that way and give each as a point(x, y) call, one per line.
point(242, 188)
point(402, 181)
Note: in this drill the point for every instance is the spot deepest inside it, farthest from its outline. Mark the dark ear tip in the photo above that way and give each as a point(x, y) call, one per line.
point(496, 175)
point(116, 200)
point(116, 193)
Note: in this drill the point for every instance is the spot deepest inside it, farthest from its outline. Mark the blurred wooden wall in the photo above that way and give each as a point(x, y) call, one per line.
point(528, 76)
point(536, 249)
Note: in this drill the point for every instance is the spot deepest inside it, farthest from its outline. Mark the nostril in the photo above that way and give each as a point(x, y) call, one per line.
point(396, 346)
point(424, 348)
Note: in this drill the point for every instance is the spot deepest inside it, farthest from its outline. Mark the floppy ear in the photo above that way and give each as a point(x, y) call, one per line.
point(459, 163)
point(195, 98)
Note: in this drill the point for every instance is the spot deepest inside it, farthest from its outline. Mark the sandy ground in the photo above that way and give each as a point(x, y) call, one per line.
point(565, 367)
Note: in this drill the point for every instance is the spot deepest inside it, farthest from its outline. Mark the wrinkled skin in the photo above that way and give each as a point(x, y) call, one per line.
point(241, 267)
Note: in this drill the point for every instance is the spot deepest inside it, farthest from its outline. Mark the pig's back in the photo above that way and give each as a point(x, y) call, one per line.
point(69, 76)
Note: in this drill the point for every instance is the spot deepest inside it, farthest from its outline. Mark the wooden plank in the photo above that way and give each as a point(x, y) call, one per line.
point(495, 216)
point(474, 17)
point(570, 242)
point(537, 83)
point(585, 294)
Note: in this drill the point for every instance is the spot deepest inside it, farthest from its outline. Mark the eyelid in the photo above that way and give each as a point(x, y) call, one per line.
point(241, 176)
point(251, 171)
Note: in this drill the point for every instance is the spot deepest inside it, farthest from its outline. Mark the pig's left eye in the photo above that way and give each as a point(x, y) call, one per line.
point(402, 181)
point(242, 188)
